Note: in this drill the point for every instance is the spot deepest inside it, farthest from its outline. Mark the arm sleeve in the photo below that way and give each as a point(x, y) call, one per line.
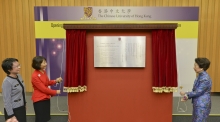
point(6, 92)
point(52, 82)
point(41, 87)
point(203, 86)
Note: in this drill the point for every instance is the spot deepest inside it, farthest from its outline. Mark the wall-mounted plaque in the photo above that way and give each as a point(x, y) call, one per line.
point(119, 51)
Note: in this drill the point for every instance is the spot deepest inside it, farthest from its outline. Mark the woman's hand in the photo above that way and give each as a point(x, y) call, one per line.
point(182, 93)
point(183, 100)
point(58, 91)
point(13, 119)
point(58, 80)
point(8, 120)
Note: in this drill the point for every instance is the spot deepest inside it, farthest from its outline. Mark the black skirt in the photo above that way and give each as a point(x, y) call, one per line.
point(20, 114)
point(42, 110)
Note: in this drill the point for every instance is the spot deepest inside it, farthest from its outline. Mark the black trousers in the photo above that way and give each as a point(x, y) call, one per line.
point(42, 111)
point(20, 114)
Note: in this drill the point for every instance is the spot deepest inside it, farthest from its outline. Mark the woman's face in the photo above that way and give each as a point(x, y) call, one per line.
point(43, 65)
point(15, 68)
point(197, 68)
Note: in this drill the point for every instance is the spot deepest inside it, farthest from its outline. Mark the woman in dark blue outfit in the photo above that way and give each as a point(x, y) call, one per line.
point(201, 92)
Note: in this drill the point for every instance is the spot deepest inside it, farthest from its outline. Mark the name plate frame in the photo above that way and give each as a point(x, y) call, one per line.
point(119, 51)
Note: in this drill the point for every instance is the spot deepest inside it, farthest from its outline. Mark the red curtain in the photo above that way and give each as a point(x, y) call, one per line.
point(75, 74)
point(164, 60)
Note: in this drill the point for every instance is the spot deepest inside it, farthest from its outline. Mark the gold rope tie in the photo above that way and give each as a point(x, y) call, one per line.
point(75, 89)
point(164, 89)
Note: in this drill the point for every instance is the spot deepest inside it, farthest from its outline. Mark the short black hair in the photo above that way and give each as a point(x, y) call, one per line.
point(203, 63)
point(7, 64)
point(36, 62)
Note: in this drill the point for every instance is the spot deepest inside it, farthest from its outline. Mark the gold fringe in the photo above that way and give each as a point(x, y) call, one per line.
point(164, 89)
point(75, 89)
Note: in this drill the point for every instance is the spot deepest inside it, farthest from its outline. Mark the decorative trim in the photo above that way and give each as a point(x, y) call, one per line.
point(164, 89)
point(122, 26)
point(75, 89)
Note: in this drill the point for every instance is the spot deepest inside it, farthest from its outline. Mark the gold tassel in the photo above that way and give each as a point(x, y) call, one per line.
point(75, 89)
point(164, 89)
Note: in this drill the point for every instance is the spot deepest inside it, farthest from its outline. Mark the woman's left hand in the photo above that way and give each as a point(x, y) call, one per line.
point(182, 93)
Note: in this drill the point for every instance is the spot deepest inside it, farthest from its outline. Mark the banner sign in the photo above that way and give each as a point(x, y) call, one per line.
point(116, 13)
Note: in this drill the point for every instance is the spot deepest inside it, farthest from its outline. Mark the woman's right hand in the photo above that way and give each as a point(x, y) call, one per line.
point(13, 119)
point(58, 91)
point(58, 80)
point(8, 120)
point(183, 100)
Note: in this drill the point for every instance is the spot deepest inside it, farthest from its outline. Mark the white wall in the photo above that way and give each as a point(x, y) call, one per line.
point(186, 51)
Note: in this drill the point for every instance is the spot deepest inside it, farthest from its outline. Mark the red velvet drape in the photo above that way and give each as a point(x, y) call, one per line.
point(75, 74)
point(164, 59)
